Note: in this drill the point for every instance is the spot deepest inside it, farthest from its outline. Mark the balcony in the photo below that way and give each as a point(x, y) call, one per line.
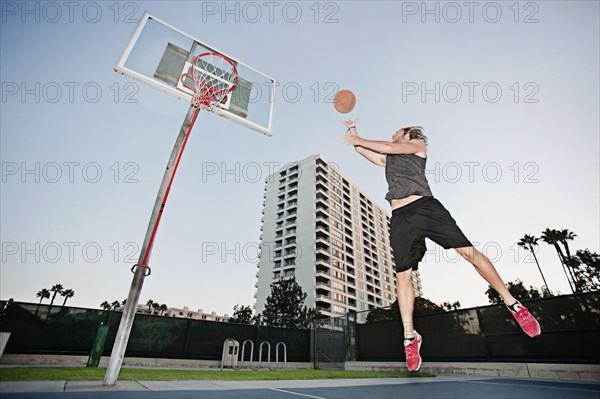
point(321, 187)
point(322, 267)
point(323, 307)
point(323, 274)
point(321, 242)
point(320, 228)
point(290, 232)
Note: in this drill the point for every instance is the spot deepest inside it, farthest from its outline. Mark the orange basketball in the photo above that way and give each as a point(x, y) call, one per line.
point(344, 101)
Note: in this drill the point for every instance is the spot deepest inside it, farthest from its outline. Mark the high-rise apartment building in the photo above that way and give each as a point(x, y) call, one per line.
point(323, 230)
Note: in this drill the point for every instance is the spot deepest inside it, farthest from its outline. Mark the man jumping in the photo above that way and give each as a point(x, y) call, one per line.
point(417, 215)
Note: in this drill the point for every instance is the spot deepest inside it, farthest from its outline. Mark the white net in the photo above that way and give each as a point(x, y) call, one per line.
point(215, 77)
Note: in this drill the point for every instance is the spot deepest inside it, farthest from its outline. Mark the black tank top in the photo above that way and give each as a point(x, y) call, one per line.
point(405, 174)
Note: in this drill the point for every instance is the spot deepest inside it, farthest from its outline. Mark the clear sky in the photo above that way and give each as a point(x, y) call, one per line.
point(508, 95)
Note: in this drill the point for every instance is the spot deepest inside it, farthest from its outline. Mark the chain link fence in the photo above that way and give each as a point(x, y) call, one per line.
point(39, 329)
point(570, 331)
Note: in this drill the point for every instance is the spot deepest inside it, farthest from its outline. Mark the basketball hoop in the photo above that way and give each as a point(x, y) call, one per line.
point(214, 76)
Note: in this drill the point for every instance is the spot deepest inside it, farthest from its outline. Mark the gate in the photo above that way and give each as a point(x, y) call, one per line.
point(331, 343)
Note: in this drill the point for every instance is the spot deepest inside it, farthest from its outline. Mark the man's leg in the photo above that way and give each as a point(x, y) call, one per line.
point(484, 267)
point(406, 301)
point(487, 270)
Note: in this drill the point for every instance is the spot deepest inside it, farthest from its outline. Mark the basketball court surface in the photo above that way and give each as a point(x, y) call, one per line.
point(462, 387)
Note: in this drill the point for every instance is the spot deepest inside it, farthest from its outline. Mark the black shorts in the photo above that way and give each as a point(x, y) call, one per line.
point(423, 218)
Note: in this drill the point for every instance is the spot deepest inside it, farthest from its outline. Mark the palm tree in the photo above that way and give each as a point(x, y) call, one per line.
point(163, 308)
point(149, 304)
point(68, 293)
point(551, 237)
point(42, 294)
point(564, 236)
point(530, 243)
point(115, 304)
point(57, 289)
point(105, 305)
point(155, 306)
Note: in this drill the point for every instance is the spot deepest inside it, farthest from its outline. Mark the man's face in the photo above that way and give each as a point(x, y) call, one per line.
point(398, 136)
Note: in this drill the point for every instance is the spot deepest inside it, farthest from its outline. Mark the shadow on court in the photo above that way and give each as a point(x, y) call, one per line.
point(465, 388)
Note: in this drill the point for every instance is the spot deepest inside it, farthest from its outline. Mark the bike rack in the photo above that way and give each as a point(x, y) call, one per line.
point(260, 352)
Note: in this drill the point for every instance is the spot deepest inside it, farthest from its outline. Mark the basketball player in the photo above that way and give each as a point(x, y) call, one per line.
point(417, 215)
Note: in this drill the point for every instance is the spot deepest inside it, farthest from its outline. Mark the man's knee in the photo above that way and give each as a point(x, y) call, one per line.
point(469, 253)
point(404, 276)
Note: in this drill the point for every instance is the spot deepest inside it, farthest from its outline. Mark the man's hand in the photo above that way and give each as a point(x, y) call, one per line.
point(349, 123)
point(352, 136)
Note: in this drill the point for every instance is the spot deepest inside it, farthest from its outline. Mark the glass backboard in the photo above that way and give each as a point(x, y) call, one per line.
point(159, 55)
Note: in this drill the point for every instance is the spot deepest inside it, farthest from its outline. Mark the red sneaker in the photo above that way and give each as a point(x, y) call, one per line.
point(411, 349)
point(527, 322)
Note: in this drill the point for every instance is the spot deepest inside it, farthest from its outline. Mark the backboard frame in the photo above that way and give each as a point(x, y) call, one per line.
point(123, 70)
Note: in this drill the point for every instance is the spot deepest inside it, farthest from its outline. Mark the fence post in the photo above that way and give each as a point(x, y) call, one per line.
point(313, 329)
point(351, 331)
point(482, 333)
point(98, 347)
point(187, 338)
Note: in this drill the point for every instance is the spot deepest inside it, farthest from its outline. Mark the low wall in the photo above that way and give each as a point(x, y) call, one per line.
point(79, 361)
point(583, 372)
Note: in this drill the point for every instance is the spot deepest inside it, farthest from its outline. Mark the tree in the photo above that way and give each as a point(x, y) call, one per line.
point(422, 306)
point(451, 306)
point(551, 237)
point(57, 289)
point(384, 314)
point(241, 314)
point(115, 305)
point(518, 290)
point(105, 305)
point(149, 304)
point(155, 306)
point(42, 294)
point(563, 236)
point(68, 293)
point(285, 306)
point(530, 243)
point(163, 308)
point(586, 267)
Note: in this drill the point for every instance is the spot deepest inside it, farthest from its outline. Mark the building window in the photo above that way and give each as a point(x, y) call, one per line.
point(289, 273)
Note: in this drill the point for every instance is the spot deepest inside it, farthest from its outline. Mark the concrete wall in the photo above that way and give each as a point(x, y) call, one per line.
point(78, 361)
point(584, 372)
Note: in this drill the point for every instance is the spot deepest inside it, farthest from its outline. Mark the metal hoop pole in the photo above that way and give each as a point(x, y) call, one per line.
point(277, 356)
point(120, 345)
point(268, 354)
point(241, 362)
